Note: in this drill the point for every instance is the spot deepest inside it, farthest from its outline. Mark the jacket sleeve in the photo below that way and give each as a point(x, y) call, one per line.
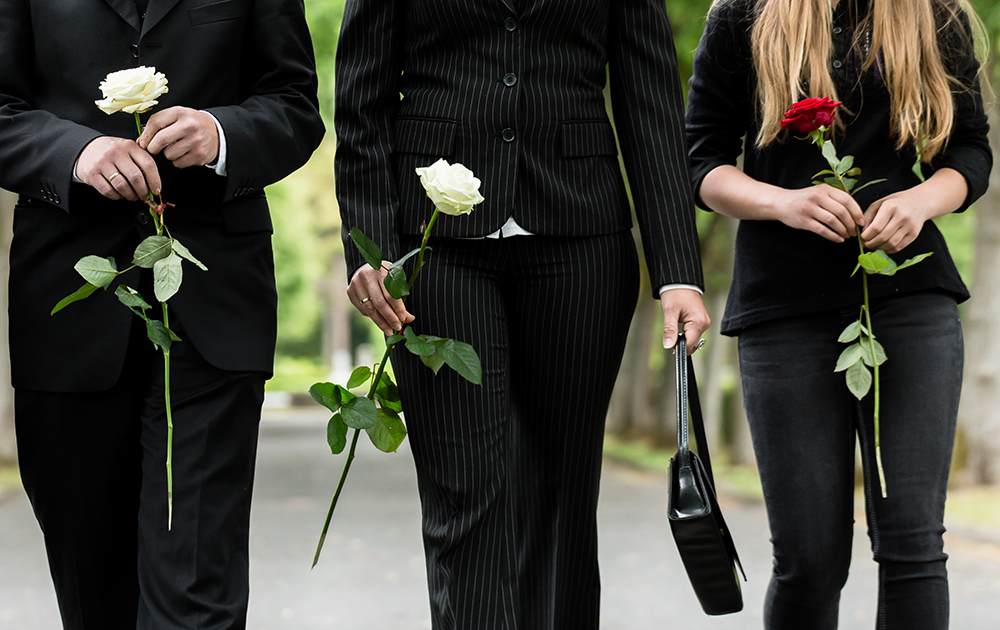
point(648, 111)
point(37, 148)
point(278, 126)
point(968, 150)
point(367, 93)
point(720, 98)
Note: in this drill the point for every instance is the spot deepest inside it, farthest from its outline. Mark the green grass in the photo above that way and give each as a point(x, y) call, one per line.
point(295, 375)
point(9, 478)
point(975, 506)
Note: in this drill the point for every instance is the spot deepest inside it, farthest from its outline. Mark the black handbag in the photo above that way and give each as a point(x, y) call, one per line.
point(703, 539)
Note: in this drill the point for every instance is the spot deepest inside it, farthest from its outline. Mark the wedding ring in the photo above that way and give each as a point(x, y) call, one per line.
point(367, 299)
point(113, 175)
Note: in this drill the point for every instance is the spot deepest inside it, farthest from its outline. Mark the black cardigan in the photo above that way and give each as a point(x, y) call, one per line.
point(780, 271)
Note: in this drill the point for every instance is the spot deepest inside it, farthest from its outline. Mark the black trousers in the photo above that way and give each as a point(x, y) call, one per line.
point(93, 466)
point(508, 472)
point(804, 421)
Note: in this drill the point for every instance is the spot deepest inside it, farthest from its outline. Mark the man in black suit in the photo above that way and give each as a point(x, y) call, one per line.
point(541, 278)
point(241, 113)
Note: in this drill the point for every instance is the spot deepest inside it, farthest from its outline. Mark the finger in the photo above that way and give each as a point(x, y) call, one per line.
point(835, 216)
point(824, 230)
point(133, 176)
point(880, 220)
point(177, 151)
point(850, 205)
point(670, 325)
point(103, 186)
point(147, 165)
point(120, 182)
point(154, 126)
point(380, 302)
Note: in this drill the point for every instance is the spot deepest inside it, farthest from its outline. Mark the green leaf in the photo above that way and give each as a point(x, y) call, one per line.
point(410, 254)
point(159, 334)
point(98, 271)
point(131, 298)
point(859, 380)
point(167, 277)
point(392, 340)
point(82, 293)
point(822, 173)
point(359, 413)
point(912, 261)
point(830, 153)
point(184, 253)
point(388, 432)
point(852, 332)
point(873, 262)
point(918, 170)
point(359, 376)
point(395, 283)
point(833, 181)
point(866, 185)
point(850, 356)
point(845, 164)
point(368, 249)
point(880, 356)
point(152, 249)
point(326, 394)
point(462, 358)
point(856, 267)
point(336, 434)
point(434, 362)
point(849, 183)
point(854, 172)
point(388, 394)
point(417, 344)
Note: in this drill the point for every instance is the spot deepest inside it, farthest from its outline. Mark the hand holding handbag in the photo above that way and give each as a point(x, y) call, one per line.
point(703, 539)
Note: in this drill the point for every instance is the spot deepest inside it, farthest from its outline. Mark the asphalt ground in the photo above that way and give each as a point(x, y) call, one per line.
point(371, 575)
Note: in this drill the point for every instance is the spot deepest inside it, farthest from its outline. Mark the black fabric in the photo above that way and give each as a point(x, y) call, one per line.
point(779, 271)
point(93, 466)
point(509, 471)
point(254, 72)
point(450, 68)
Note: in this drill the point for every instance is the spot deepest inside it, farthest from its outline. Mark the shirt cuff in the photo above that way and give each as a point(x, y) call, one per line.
point(670, 287)
point(219, 166)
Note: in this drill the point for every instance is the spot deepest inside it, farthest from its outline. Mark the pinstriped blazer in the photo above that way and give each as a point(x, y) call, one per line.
point(515, 92)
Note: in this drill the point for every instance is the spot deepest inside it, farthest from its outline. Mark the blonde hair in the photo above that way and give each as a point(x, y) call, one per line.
point(793, 49)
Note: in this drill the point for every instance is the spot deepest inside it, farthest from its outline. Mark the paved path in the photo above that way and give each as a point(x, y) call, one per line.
point(371, 576)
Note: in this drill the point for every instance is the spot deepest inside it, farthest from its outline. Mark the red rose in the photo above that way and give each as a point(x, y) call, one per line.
point(810, 114)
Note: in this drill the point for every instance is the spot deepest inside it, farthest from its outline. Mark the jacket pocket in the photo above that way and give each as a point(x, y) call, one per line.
point(217, 12)
point(247, 215)
point(426, 136)
point(586, 138)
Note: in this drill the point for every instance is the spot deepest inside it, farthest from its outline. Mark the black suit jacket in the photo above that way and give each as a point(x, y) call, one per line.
point(515, 92)
point(250, 64)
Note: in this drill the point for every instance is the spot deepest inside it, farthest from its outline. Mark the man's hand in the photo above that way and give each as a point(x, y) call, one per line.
point(118, 169)
point(369, 296)
point(185, 136)
point(683, 308)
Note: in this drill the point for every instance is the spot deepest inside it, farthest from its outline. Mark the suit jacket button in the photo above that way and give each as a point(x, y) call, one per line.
point(142, 217)
point(135, 50)
point(510, 24)
point(508, 135)
point(509, 79)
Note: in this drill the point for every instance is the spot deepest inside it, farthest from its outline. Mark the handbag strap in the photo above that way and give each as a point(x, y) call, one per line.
point(688, 401)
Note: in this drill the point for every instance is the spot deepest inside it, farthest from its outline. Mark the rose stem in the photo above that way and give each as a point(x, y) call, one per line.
point(371, 394)
point(170, 425)
point(871, 343)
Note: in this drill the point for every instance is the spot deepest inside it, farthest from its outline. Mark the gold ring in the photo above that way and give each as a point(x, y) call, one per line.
point(113, 175)
point(367, 299)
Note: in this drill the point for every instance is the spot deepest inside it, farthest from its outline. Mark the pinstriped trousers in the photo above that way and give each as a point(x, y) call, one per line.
point(508, 472)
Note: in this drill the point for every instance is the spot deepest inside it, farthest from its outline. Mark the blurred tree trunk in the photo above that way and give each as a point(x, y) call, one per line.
point(979, 414)
point(8, 451)
point(629, 411)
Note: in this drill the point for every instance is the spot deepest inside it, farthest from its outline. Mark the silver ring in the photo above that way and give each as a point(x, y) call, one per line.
point(699, 345)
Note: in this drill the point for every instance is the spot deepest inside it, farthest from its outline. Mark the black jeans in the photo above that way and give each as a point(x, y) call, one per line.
point(804, 421)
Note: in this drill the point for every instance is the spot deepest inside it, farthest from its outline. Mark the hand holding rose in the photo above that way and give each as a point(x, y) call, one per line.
point(185, 136)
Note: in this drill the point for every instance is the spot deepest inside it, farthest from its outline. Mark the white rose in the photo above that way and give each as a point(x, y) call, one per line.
point(452, 187)
point(131, 90)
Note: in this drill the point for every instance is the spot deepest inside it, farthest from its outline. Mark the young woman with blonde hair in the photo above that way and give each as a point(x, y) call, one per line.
point(907, 74)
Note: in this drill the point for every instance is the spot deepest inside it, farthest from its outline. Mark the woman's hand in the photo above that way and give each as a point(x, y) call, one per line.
point(369, 296)
point(823, 209)
point(895, 221)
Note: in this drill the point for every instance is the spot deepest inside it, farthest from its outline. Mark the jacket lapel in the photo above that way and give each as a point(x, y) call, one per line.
point(510, 5)
point(127, 11)
point(155, 12)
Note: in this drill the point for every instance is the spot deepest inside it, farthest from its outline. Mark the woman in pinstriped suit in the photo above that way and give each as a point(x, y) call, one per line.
point(541, 279)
